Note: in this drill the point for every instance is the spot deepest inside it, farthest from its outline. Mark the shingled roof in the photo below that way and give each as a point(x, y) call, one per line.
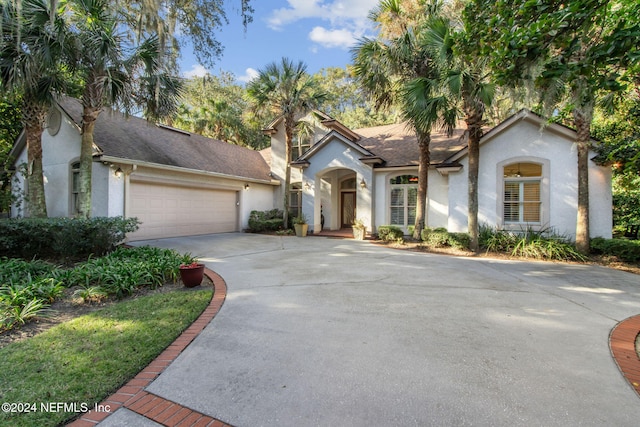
point(136, 139)
point(397, 144)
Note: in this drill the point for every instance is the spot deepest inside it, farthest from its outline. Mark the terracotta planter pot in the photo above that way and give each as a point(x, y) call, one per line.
point(192, 277)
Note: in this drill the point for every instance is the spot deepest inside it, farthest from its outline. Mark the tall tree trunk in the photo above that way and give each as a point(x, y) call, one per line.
point(89, 117)
point(582, 121)
point(34, 117)
point(288, 137)
point(474, 129)
point(424, 141)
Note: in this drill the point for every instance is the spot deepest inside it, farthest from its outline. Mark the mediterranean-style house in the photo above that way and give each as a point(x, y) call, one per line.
point(178, 183)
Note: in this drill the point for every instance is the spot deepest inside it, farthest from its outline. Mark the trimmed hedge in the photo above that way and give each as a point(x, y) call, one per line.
point(440, 238)
point(625, 250)
point(390, 233)
point(271, 220)
point(62, 238)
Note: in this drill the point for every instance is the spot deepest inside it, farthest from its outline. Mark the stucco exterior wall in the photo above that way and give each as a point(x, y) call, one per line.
point(18, 186)
point(335, 155)
point(523, 142)
point(59, 152)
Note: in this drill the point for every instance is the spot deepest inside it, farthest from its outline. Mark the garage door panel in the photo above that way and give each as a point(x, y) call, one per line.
point(171, 211)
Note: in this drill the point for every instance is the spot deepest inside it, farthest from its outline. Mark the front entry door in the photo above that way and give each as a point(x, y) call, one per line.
point(348, 208)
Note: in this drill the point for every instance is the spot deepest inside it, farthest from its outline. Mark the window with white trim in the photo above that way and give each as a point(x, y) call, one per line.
point(299, 146)
point(403, 200)
point(75, 189)
point(522, 201)
point(295, 199)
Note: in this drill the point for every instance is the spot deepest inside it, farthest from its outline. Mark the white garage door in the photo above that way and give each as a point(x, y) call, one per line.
point(172, 211)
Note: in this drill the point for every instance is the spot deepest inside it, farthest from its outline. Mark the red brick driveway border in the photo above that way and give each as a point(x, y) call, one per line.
point(622, 342)
point(133, 396)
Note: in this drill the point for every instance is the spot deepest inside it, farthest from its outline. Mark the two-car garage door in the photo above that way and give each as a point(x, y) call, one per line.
point(172, 210)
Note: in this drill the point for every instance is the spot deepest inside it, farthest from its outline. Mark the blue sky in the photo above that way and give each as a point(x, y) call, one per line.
point(318, 32)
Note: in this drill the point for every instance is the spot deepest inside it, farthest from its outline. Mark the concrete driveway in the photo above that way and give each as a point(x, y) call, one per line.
point(319, 331)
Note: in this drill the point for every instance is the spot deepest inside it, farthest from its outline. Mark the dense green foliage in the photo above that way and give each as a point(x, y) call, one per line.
point(27, 288)
point(625, 250)
point(266, 221)
point(217, 107)
point(440, 238)
point(62, 238)
point(10, 128)
point(530, 244)
point(619, 134)
point(88, 358)
point(390, 233)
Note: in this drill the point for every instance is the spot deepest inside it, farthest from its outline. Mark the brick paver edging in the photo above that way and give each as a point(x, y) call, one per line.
point(622, 342)
point(133, 396)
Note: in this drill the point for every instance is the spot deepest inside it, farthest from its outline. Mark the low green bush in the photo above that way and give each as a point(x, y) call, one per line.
point(441, 238)
point(271, 220)
point(123, 271)
point(27, 288)
point(390, 233)
point(542, 244)
point(625, 250)
point(62, 238)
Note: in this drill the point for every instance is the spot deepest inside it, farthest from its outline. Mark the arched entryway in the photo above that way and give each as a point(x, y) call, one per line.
point(338, 201)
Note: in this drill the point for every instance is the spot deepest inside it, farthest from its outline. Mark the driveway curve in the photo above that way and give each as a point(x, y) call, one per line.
point(320, 331)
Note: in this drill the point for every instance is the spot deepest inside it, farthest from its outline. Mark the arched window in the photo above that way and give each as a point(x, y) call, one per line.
point(522, 199)
point(403, 200)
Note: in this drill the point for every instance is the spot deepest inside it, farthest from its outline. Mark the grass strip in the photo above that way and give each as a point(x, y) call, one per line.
point(84, 360)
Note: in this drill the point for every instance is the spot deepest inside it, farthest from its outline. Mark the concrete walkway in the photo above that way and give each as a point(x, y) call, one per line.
point(318, 331)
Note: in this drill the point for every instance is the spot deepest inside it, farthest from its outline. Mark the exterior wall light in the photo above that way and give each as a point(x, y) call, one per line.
point(363, 184)
point(118, 173)
point(246, 186)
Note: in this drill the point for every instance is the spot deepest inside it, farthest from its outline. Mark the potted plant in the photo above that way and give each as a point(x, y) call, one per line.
point(191, 273)
point(300, 225)
point(359, 229)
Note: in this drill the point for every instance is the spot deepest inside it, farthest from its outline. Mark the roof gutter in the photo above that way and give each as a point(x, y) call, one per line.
point(111, 159)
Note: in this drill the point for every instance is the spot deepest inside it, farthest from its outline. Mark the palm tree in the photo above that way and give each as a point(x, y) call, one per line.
point(403, 69)
point(287, 90)
point(99, 58)
point(30, 54)
point(468, 81)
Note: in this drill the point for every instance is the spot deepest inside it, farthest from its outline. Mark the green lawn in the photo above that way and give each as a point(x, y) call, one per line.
point(84, 360)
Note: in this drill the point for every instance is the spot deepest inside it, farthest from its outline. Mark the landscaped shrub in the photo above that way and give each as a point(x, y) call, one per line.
point(390, 233)
point(126, 269)
point(625, 250)
point(62, 238)
point(271, 220)
point(441, 238)
point(544, 244)
point(27, 288)
point(459, 240)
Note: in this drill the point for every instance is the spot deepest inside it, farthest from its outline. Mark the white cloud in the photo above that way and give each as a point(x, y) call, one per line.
point(197, 70)
point(348, 14)
point(249, 75)
point(332, 38)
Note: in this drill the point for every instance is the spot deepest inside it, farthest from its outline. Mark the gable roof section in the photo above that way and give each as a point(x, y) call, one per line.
point(397, 144)
point(303, 160)
point(136, 139)
point(326, 120)
point(522, 115)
